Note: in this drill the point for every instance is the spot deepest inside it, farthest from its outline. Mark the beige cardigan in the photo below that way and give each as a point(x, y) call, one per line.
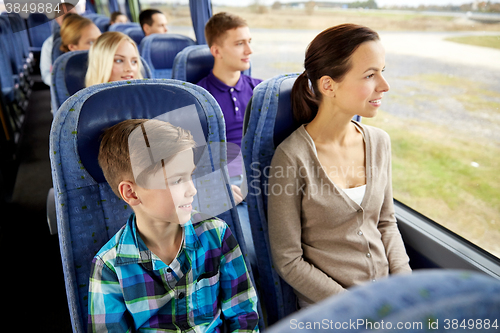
point(321, 240)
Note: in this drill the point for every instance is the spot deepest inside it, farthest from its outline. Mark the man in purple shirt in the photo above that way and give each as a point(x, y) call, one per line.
point(228, 37)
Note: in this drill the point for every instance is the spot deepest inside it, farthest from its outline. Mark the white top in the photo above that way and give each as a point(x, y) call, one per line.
point(46, 60)
point(356, 194)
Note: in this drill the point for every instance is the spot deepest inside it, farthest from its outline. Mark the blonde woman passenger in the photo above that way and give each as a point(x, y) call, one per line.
point(78, 33)
point(331, 212)
point(113, 57)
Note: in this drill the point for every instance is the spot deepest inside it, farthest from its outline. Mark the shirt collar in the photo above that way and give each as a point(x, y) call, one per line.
point(224, 87)
point(131, 248)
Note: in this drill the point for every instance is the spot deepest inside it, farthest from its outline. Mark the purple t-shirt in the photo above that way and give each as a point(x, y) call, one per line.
point(232, 101)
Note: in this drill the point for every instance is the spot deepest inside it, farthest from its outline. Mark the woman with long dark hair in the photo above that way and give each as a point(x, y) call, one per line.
point(331, 213)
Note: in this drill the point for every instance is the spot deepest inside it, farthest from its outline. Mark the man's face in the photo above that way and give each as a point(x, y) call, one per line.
point(233, 49)
point(159, 25)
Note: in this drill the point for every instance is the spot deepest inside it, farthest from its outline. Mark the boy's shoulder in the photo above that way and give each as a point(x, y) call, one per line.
point(109, 251)
point(251, 81)
point(203, 223)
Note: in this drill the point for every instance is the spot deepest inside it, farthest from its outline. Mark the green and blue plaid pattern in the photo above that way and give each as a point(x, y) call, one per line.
point(132, 290)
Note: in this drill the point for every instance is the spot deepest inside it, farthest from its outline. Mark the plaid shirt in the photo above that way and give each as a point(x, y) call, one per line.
point(131, 289)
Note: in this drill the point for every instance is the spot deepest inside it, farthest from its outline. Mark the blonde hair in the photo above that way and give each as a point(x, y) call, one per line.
point(101, 57)
point(71, 30)
point(116, 150)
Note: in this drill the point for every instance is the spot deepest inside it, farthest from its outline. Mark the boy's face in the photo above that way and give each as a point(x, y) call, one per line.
point(233, 49)
point(168, 194)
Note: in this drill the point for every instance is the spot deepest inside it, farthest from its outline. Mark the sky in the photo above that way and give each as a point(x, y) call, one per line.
point(381, 3)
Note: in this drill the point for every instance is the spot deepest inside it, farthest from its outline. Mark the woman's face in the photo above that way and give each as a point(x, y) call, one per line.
point(89, 35)
point(125, 62)
point(362, 89)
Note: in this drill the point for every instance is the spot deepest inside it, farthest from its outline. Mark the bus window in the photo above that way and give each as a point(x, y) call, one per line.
point(442, 111)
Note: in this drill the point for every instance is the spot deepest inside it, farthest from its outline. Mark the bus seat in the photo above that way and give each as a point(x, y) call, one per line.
point(11, 115)
point(102, 22)
point(14, 49)
point(16, 85)
point(427, 300)
point(88, 212)
point(121, 27)
point(18, 26)
point(68, 76)
point(261, 130)
point(268, 121)
point(135, 33)
point(56, 48)
point(39, 30)
point(195, 62)
point(159, 51)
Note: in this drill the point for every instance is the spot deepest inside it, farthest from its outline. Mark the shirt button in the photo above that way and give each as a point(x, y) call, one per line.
point(360, 233)
point(231, 90)
point(234, 99)
point(169, 270)
point(181, 295)
point(236, 108)
point(369, 255)
point(374, 280)
point(360, 210)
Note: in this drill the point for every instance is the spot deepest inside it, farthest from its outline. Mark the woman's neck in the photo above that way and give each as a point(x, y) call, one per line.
point(331, 127)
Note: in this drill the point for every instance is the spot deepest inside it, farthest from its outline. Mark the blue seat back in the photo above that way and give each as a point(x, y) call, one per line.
point(136, 34)
point(102, 22)
point(258, 147)
point(195, 62)
point(88, 212)
point(427, 300)
point(121, 27)
point(13, 46)
point(159, 51)
point(268, 121)
point(56, 48)
point(68, 76)
point(6, 76)
point(39, 30)
point(19, 28)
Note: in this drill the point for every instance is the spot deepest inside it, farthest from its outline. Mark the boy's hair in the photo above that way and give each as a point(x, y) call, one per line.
point(146, 17)
point(114, 15)
point(216, 27)
point(115, 155)
point(71, 29)
point(101, 57)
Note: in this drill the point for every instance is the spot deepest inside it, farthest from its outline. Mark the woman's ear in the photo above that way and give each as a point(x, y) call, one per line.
point(72, 47)
point(127, 192)
point(327, 86)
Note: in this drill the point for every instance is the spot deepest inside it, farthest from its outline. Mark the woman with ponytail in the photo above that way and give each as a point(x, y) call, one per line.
point(331, 214)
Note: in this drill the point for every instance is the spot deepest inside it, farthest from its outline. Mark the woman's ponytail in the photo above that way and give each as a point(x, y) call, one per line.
point(304, 101)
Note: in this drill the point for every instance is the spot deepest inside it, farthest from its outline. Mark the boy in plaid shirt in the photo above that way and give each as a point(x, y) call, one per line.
point(167, 269)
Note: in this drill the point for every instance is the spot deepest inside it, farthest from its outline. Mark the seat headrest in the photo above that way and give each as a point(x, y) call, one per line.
point(121, 27)
point(111, 106)
point(199, 64)
point(164, 48)
point(284, 124)
point(75, 71)
point(136, 34)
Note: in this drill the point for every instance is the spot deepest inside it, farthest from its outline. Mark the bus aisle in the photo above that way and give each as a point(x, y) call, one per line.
point(32, 276)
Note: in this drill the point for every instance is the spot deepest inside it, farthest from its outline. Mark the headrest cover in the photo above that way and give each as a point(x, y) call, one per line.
point(108, 107)
point(284, 124)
